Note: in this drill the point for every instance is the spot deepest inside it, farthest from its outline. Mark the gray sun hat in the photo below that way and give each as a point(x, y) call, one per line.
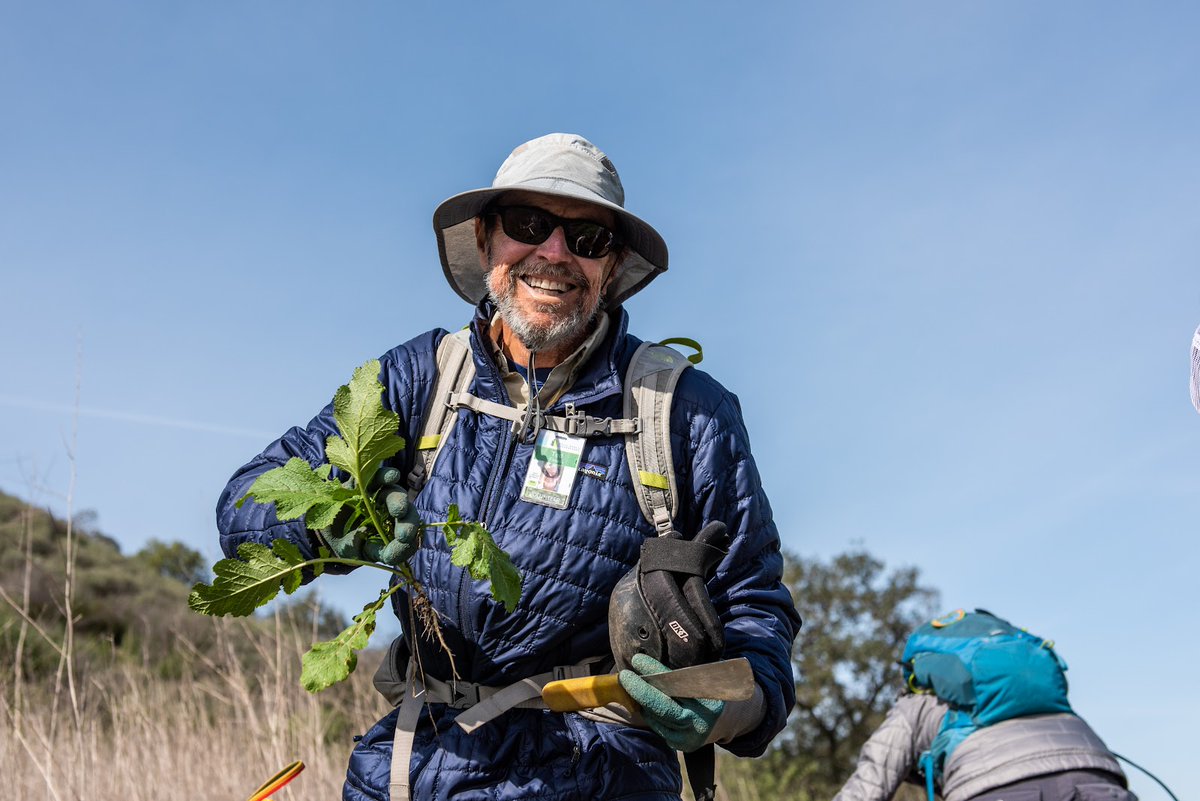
point(560, 165)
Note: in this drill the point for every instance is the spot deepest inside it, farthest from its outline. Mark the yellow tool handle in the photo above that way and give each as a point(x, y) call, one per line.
point(588, 692)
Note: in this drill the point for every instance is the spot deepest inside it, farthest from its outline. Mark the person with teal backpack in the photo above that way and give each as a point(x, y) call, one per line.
point(985, 717)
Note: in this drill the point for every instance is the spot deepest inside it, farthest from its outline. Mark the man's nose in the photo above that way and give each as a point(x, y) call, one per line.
point(554, 249)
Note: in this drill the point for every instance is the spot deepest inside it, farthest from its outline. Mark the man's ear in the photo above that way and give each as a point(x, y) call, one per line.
point(481, 242)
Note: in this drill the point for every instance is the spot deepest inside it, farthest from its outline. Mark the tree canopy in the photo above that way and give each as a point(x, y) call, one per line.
point(857, 615)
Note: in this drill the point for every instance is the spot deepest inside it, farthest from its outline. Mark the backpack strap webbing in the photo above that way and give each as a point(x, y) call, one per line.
point(455, 371)
point(650, 382)
point(649, 389)
point(575, 423)
point(701, 767)
point(480, 704)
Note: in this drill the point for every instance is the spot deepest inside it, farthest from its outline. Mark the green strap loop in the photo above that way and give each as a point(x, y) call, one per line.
point(696, 357)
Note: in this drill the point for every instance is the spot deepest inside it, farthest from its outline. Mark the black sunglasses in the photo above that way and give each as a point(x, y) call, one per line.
point(533, 226)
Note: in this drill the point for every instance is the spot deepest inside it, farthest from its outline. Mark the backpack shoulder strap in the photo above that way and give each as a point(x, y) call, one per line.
point(650, 384)
point(455, 371)
point(649, 389)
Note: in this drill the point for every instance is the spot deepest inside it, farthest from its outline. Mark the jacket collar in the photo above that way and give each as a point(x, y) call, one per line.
point(598, 377)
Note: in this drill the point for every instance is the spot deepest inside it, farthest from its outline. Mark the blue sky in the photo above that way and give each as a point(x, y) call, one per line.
point(944, 252)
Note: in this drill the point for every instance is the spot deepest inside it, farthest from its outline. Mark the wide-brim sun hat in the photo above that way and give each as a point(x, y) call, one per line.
point(560, 165)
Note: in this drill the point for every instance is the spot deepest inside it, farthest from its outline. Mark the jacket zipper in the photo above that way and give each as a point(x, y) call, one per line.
point(491, 495)
point(495, 486)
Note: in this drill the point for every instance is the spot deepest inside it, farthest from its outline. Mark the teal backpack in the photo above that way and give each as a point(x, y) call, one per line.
point(987, 670)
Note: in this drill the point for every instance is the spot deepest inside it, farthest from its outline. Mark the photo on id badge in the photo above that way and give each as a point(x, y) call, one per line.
point(552, 469)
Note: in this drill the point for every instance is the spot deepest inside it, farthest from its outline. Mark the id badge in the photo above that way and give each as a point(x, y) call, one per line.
point(552, 469)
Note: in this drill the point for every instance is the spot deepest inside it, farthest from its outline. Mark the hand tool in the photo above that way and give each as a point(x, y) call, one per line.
point(728, 680)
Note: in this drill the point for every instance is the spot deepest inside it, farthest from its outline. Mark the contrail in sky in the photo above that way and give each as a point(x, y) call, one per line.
point(137, 419)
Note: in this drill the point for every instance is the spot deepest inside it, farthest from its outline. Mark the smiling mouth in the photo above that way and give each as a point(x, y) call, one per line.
point(546, 286)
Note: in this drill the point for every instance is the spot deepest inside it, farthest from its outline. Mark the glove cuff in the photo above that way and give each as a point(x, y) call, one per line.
point(738, 718)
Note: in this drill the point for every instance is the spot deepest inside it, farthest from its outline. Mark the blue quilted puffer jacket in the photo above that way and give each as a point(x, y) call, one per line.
point(569, 561)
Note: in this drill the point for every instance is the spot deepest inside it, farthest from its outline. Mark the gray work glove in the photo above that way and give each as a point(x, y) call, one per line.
point(362, 543)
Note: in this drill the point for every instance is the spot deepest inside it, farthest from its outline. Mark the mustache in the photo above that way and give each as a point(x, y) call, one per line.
point(540, 268)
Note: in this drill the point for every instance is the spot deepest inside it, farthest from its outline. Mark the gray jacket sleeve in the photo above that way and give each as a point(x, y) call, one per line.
point(892, 751)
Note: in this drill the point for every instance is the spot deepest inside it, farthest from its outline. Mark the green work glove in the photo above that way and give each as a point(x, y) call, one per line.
point(361, 542)
point(685, 723)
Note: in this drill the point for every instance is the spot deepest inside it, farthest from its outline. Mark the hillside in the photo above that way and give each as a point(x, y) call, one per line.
point(155, 695)
point(126, 607)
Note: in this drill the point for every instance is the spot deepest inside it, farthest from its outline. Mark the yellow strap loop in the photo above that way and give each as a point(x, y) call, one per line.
point(657, 480)
point(912, 685)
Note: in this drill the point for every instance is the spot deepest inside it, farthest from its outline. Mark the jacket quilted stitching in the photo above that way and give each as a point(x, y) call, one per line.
point(569, 561)
point(993, 756)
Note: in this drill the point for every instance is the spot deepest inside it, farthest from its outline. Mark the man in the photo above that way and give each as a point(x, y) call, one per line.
point(985, 718)
point(547, 254)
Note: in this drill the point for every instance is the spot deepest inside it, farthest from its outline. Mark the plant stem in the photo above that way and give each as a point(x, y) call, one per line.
point(391, 591)
point(369, 503)
point(403, 571)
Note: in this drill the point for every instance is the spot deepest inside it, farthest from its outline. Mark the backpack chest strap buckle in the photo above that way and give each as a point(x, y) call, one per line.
point(581, 424)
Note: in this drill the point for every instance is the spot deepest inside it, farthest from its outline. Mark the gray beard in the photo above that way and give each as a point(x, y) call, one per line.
point(566, 331)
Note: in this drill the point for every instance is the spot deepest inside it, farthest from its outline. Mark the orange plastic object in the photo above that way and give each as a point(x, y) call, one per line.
point(946, 620)
point(271, 785)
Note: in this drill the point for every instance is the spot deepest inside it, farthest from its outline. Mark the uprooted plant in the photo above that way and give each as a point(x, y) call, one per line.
point(369, 435)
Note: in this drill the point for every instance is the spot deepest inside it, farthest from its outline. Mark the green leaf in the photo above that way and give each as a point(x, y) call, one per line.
point(242, 585)
point(369, 432)
point(319, 567)
point(476, 551)
point(506, 581)
point(450, 530)
point(297, 491)
point(327, 663)
point(289, 554)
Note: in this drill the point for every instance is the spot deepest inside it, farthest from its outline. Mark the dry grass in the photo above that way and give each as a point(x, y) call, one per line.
point(213, 723)
point(215, 733)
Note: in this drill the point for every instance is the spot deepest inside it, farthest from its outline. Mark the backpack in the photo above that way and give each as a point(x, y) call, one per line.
point(987, 670)
point(649, 389)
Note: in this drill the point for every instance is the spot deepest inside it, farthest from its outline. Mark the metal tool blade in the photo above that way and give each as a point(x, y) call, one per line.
point(728, 680)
